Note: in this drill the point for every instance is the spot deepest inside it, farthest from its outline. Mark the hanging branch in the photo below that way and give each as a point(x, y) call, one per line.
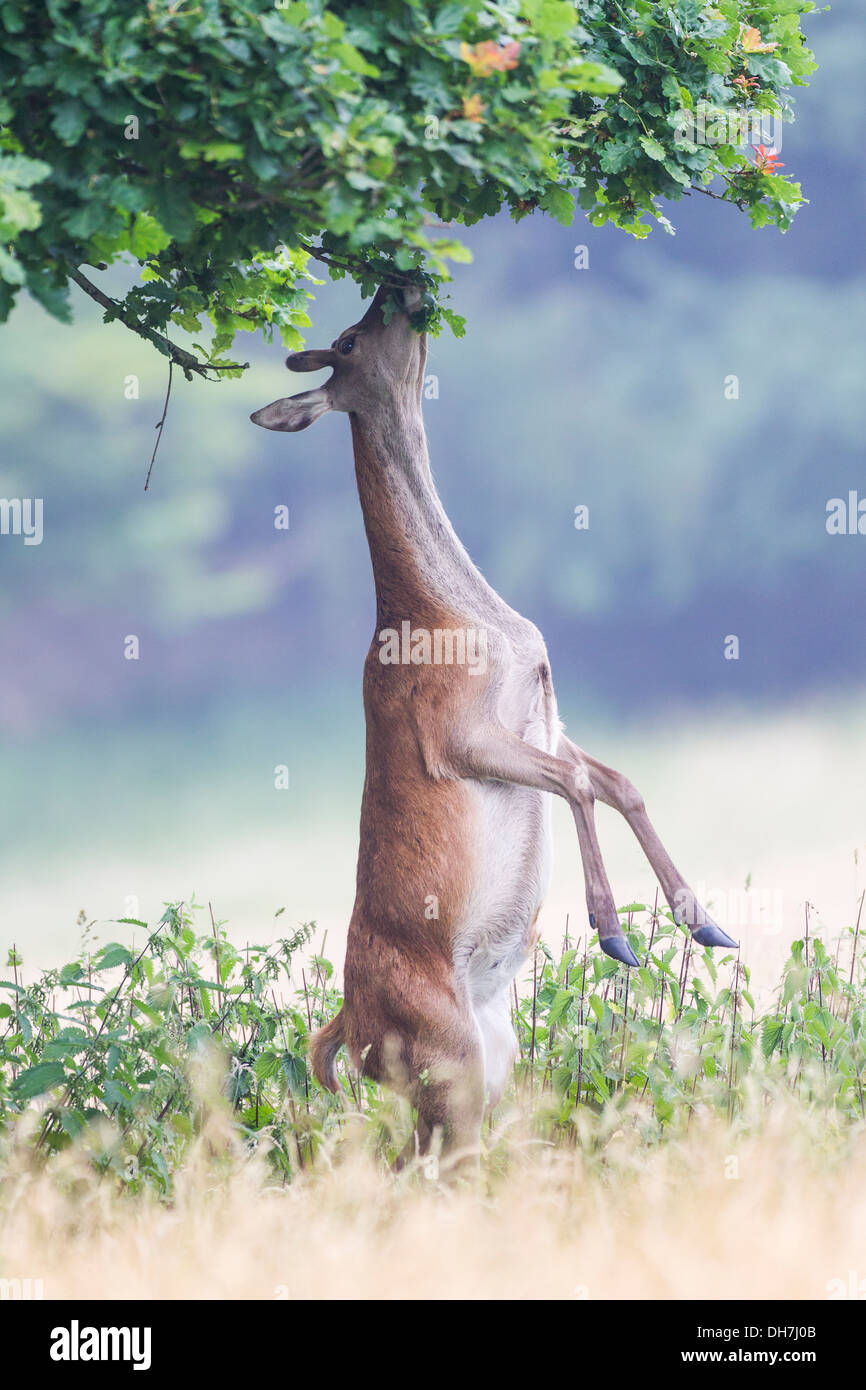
point(159, 427)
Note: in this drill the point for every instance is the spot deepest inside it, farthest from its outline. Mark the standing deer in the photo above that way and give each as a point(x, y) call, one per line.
point(455, 837)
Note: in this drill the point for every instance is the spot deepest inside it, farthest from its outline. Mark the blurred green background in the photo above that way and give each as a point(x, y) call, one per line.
point(129, 782)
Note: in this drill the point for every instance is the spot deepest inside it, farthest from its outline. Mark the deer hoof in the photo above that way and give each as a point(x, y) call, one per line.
point(711, 935)
point(618, 948)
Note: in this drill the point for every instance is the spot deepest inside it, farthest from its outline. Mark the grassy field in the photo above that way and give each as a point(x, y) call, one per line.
point(666, 1135)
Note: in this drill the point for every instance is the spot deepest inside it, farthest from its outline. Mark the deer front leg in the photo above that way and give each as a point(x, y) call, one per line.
point(617, 791)
point(502, 756)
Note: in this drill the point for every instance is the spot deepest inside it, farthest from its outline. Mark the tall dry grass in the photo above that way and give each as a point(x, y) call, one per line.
point(772, 1208)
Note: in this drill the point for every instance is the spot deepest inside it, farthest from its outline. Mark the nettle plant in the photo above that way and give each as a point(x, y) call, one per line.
point(223, 147)
point(126, 1053)
point(125, 1048)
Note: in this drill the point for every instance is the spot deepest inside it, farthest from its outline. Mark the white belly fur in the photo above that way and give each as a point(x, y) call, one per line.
point(513, 861)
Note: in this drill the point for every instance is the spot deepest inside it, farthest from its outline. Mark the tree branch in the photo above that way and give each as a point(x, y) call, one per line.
point(351, 266)
point(720, 197)
point(187, 361)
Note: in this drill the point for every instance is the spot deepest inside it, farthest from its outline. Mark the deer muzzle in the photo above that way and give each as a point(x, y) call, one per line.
point(313, 360)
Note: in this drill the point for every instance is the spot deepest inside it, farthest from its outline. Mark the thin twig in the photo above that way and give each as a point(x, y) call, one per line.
point(216, 947)
point(159, 427)
point(854, 952)
point(534, 1007)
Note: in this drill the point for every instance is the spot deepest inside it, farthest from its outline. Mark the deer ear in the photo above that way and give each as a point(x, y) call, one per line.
point(293, 412)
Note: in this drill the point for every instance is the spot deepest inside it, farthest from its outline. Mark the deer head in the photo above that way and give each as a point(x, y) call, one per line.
point(373, 362)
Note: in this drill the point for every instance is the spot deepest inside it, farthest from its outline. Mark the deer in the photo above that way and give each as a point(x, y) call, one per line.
point(462, 763)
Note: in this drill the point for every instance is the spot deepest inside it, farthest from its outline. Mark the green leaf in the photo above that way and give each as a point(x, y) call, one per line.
point(772, 1035)
point(23, 172)
point(68, 122)
point(36, 1080)
point(13, 20)
point(199, 1035)
point(294, 1069)
point(652, 147)
point(618, 155)
point(597, 79)
point(112, 955)
point(672, 89)
point(560, 1003)
point(550, 18)
point(676, 172)
point(11, 270)
point(18, 211)
point(72, 1122)
point(146, 236)
point(597, 1006)
point(214, 152)
point(560, 203)
point(267, 1063)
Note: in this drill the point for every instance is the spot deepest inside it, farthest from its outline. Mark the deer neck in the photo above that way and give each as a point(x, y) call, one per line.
point(416, 556)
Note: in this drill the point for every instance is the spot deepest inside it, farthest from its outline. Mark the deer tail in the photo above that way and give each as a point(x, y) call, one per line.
point(324, 1046)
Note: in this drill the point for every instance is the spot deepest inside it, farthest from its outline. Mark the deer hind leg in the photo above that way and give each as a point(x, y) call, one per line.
point(496, 753)
point(617, 791)
point(450, 1101)
point(437, 1062)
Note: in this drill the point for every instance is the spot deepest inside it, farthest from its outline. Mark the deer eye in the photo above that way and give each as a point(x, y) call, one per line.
point(346, 346)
